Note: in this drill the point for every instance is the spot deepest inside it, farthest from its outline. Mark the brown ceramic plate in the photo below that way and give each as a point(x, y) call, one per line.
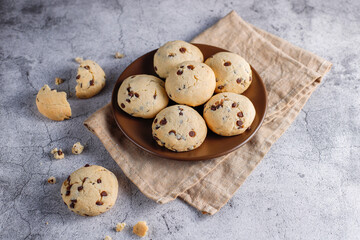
point(138, 130)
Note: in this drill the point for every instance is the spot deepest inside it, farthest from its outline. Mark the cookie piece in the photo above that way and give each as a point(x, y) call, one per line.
point(53, 104)
point(140, 229)
point(59, 81)
point(79, 59)
point(173, 53)
point(57, 153)
point(90, 190)
point(120, 227)
point(77, 148)
point(51, 180)
point(179, 128)
point(190, 83)
point(229, 114)
point(107, 238)
point(90, 79)
point(142, 96)
point(233, 73)
point(119, 55)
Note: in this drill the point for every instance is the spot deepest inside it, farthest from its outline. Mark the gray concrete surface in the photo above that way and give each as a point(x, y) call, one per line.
point(307, 187)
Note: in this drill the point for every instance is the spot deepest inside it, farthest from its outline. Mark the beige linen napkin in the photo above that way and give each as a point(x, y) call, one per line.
point(290, 73)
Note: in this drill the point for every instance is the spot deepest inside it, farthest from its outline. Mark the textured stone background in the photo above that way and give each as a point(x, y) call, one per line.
point(307, 187)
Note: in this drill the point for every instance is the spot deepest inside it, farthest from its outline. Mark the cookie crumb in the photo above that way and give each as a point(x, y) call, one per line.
point(107, 238)
point(77, 148)
point(47, 223)
point(140, 229)
point(120, 227)
point(51, 180)
point(58, 154)
point(79, 59)
point(59, 81)
point(119, 55)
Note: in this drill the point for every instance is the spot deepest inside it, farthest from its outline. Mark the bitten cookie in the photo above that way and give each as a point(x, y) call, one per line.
point(90, 79)
point(190, 83)
point(233, 73)
point(90, 190)
point(142, 96)
point(229, 114)
point(53, 104)
point(179, 128)
point(173, 53)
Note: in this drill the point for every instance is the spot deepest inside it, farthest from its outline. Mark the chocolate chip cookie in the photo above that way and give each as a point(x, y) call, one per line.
point(229, 114)
point(233, 73)
point(53, 104)
point(142, 96)
point(191, 83)
point(179, 128)
point(173, 53)
point(90, 190)
point(90, 79)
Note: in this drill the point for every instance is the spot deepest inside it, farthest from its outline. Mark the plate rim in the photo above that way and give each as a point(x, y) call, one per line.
point(200, 158)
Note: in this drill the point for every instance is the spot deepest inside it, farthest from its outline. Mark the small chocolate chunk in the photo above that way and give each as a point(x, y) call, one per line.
point(155, 68)
point(87, 165)
point(128, 100)
point(99, 203)
point(122, 105)
point(163, 121)
point(72, 205)
point(192, 133)
point(213, 107)
point(80, 188)
point(239, 123)
point(238, 80)
point(137, 95)
point(171, 55)
point(179, 72)
point(182, 50)
point(87, 67)
point(191, 67)
point(240, 114)
point(154, 96)
point(98, 181)
point(103, 194)
point(67, 193)
point(157, 127)
point(226, 64)
point(233, 105)
point(155, 121)
point(78, 76)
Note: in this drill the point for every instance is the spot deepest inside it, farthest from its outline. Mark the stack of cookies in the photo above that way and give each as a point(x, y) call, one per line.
point(190, 82)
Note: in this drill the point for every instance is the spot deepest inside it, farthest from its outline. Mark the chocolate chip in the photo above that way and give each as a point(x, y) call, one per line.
point(216, 79)
point(122, 105)
point(78, 76)
point(192, 133)
point(239, 123)
point(238, 80)
point(103, 194)
point(155, 68)
point(37, 99)
point(213, 107)
point(171, 55)
point(99, 203)
point(240, 114)
point(80, 188)
point(98, 181)
point(154, 96)
point(68, 179)
point(233, 105)
point(191, 67)
point(226, 64)
point(92, 83)
point(72, 205)
point(220, 87)
point(132, 76)
point(128, 89)
point(157, 127)
point(179, 72)
point(181, 66)
point(250, 78)
point(128, 100)
point(67, 193)
point(172, 131)
point(137, 95)
point(87, 165)
point(74, 200)
point(182, 50)
point(131, 94)
point(59, 152)
point(163, 121)
point(181, 113)
point(87, 67)
point(80, 85)
point(86, 215)
point(155, 138)
point(155, 121)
